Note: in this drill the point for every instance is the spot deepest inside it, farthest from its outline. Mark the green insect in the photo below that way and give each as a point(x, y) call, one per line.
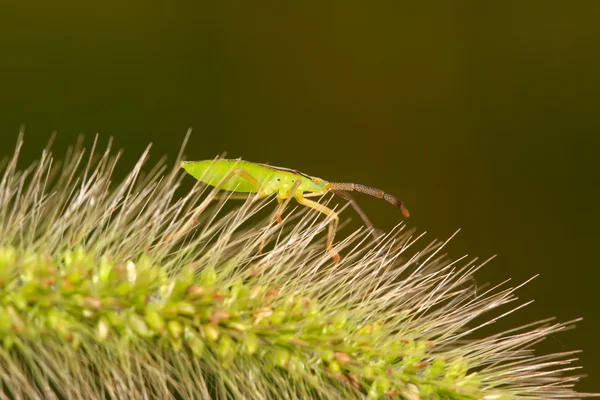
point(247, 178)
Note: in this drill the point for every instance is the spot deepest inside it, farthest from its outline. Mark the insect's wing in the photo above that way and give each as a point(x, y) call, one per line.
point(213, 172)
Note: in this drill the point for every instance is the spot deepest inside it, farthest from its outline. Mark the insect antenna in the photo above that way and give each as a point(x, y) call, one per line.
point(371, 191)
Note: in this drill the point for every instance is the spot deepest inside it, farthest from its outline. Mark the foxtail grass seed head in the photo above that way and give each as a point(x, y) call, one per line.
point(95, 304)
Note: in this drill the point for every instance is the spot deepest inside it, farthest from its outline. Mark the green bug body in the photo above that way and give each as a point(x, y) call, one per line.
point(270, 179)
point(247, 177)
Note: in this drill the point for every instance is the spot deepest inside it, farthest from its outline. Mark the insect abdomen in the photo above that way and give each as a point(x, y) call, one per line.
point(212, 172)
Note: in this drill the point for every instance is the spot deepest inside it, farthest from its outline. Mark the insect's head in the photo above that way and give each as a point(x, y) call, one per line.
point(317, 185)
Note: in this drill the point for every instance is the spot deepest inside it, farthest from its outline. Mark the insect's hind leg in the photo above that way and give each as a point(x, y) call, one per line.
point(333, 223)
point(236, 172)
point(233, 196)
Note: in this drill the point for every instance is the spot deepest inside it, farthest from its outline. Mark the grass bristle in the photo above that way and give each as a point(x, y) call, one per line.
point(96, 304)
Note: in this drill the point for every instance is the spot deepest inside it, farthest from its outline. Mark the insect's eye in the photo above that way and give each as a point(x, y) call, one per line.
point(317, 181)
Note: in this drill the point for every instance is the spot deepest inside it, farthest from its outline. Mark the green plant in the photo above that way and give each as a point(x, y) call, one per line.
point(95, 304)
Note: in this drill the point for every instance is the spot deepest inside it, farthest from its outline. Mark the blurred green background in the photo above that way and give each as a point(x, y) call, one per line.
point(479, 116)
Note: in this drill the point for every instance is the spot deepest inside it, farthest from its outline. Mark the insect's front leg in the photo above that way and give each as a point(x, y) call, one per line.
point(334, 220)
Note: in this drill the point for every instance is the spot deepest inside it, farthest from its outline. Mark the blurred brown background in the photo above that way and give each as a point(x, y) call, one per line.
point(481, 117)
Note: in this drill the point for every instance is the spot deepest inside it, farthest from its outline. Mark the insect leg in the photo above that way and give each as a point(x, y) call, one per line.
point(334, 220)
point(282, 205)
point(233, 196)
point(263, 242)
point(290, 194)
point(236, 172)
